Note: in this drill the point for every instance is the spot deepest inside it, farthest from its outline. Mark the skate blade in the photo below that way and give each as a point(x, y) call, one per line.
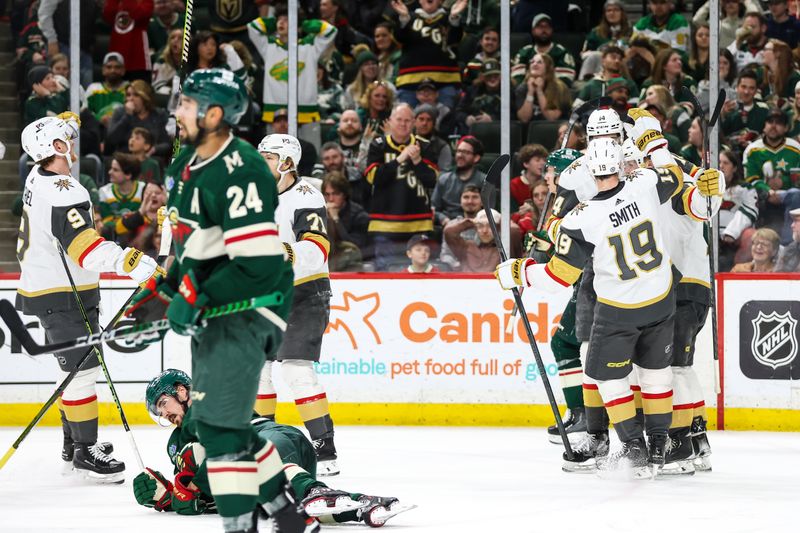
point(587, 467)
point(328, 468)
point(625, 472)
point(677, 468)
point(67, 469)
point(702, 464)
point(381, 514)
point(102, 479)
point(320, 508)
point(573, 438)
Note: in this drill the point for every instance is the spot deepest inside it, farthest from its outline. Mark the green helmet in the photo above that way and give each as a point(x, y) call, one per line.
point(561, 159)
point(217, 86)
point(164, 383)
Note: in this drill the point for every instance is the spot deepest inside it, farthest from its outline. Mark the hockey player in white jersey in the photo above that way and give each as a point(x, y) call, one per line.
point(620, 229)
point(302, 226)
point(57, 211)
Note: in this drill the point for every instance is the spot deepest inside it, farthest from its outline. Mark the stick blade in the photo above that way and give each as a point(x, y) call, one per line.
point(492, 181)
point(16, 326)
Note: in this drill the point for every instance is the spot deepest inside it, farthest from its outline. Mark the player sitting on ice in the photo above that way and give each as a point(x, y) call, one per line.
point(620, 231)
point(168, 399)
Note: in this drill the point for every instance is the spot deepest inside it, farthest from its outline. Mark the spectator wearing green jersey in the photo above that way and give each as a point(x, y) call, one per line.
point(668, 71)
point(103, 97)
point(743, 118)
point(141, 145)
point(613, 66)
point(613, 29)
point(773, 161)
point(121, 196)
point(48, 97)
point(664, 25)
point(542, 33)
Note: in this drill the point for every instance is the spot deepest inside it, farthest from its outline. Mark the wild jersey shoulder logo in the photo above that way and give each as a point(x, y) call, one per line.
point(774, 340)
point(233, 161)
point(64, 184)
point(304, 189)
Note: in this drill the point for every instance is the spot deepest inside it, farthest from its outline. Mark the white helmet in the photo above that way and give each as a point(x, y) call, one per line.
point(604, 122)
point(604, 157)
point(39, 136)
point(284, 146)
point(631, 153)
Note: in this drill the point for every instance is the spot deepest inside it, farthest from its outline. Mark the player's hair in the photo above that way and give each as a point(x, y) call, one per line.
point(338, 182)
point(532, 150)
point(128, 163)
point(145, 134)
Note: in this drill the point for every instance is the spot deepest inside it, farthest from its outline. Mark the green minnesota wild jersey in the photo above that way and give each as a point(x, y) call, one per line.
point(222, 212)
point(113, 204)
point(563, 62)
point(674, 32)
point(784, 160)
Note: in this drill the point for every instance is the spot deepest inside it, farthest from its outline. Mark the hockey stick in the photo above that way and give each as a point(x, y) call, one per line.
point(50, 401)
point(488, 191)
point(706, 126)
point(100, 357)
point(166, 232)
point(582, 109)
point(17, 328)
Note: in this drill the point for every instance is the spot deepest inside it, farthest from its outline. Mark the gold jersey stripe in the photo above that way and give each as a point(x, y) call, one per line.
point(319, 239)
point(81, 243)
point(705, 284)
point(314, 410)
point(53, 290)
point(563, 270)
point(312, 277)
point(415, 226)
point(638, 305)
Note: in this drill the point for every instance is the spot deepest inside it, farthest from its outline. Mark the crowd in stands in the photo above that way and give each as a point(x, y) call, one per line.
point(400, 118)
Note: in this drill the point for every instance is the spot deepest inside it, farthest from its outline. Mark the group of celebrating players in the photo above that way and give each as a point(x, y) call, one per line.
point(626, 231)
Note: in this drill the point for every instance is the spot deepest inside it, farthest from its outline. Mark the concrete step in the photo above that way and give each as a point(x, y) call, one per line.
point(9, 266)
point(8, 88)
point(9, 134)
point(6, 58)
point(8, 219)
point(9, 118)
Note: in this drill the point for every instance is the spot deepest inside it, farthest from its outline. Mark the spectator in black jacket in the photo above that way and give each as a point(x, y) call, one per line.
point(347, 224)
point(139, 111)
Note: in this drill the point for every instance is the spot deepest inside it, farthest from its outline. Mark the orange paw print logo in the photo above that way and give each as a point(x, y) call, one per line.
point(353, 317)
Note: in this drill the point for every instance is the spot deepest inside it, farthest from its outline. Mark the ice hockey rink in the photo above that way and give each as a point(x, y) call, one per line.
point(463, 479)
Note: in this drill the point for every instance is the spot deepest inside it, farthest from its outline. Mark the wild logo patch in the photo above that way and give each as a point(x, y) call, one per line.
point(768, 343)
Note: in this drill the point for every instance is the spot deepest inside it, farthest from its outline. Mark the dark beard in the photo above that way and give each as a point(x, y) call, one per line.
point(542, 41)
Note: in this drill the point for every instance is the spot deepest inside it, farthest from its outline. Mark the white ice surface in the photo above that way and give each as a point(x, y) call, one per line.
point(463, 479)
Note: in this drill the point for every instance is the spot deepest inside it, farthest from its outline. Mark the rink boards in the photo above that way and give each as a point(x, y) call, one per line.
point(435, 350)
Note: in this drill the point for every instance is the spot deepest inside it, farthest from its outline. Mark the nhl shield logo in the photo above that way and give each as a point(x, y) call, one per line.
point(774, 341)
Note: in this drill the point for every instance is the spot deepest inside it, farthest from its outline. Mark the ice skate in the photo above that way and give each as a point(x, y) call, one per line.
point(700, 445)
point(95, 465)
point(68, 453)
point(574, 425)
point(326, 501)
point(288, 515)
point(326, 457)
point(586, 452)
point(378, 510)
point(680, 455)
point(629, 462)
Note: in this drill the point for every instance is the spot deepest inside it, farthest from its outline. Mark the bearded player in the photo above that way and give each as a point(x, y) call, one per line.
point(222, 202)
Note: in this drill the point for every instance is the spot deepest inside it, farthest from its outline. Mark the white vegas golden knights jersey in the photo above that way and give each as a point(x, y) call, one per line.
point(621, 231)
point(684, 225)
point(302, 223)
point(57, 207)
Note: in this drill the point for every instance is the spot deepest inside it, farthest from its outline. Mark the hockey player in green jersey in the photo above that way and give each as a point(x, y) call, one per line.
point(221, 204)
point(168, 401)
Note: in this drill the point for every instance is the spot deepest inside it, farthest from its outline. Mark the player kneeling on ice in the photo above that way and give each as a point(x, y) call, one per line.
point(57, 219)
point(168, 399)
point(620, 231)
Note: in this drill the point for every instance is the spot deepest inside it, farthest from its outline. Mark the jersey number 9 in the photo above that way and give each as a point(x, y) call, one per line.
point(642, 242)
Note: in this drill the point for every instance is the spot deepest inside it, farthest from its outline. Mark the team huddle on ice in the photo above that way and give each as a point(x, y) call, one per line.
point(627, 232)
